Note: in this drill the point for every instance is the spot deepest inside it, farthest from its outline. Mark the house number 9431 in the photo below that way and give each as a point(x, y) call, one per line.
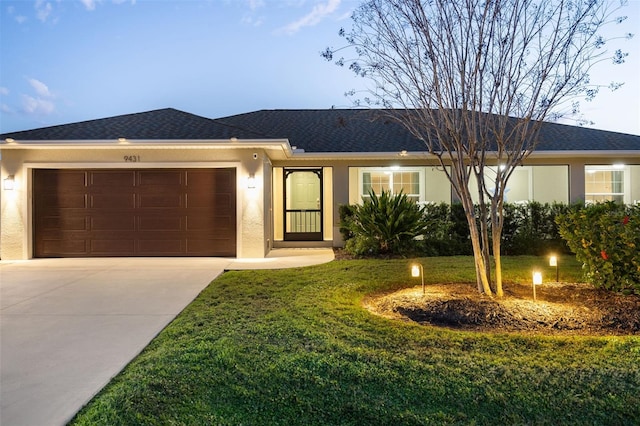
point(131, 158)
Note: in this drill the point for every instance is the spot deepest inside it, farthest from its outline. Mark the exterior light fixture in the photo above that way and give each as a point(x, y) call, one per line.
point(418, 271)
point(10, 140)
point(122, 140)
point(403, 153)
point(251, 181)
point(9, 183)
point(537, 280)
point(553, 261)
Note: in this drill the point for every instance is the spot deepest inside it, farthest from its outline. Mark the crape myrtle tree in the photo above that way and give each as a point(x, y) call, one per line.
point(474, 80)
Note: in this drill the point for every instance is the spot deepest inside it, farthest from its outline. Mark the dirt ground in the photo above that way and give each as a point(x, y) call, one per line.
point(560, 309)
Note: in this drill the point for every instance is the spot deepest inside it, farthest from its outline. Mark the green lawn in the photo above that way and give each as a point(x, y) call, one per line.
point(295, 347)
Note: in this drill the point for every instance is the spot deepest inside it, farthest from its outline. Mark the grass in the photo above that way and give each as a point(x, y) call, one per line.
point(295, 347)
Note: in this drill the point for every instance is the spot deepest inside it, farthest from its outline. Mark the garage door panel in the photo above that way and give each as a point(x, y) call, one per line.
point(74, 223)
point(150, 201)
point(135, 212)
point(198, 181)
point(109, 179)
point(216, 202)
point(112, 201)
point(109, 246)
point(68, 179)
point(113, 222)
point(67, 200)
point(219, 223)
point(160, 223)
point(160, 178)
point(57, 247)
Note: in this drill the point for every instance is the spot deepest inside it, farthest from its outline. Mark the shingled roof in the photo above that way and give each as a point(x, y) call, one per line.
point(161, 124)
point(320, 131)
point(358, 130)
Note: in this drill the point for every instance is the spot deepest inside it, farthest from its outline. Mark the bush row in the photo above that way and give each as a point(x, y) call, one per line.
point(442, 229)
point(606, 240)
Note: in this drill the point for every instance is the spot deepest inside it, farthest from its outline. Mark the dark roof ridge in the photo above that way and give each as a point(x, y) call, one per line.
point(93, 120)
point(158, 124)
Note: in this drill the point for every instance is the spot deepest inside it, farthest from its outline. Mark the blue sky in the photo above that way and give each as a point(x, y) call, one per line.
point(63, 61)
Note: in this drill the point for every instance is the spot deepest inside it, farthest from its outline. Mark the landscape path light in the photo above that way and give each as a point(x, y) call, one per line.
point(418, 271)
point(553, 261)
point(537, 280)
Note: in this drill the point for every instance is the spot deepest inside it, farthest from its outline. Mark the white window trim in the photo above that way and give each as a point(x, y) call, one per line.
point(626, 181)
point(392, 169)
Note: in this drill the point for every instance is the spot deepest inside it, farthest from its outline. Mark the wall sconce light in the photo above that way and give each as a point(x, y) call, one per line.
point(9, 183)
point(537, 280)
point(251, 181)
point(553, 261)
point(418, 271)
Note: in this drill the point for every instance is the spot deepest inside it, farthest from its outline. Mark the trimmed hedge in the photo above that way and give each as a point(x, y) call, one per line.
point(606, 239)
point(529, 229)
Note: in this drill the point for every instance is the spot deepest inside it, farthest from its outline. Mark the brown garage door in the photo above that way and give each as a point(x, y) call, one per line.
point(152, 212)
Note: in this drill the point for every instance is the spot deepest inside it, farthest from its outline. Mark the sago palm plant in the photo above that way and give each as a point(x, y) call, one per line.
point(386, 224)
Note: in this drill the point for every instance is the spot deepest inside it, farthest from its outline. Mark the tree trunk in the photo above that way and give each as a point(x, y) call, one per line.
point(498, 262)
point(484, 232)
point(497, 223)
point(478, 257)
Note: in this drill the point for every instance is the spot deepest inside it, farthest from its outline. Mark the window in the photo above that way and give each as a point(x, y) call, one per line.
point(605, 183)
point(403, 180)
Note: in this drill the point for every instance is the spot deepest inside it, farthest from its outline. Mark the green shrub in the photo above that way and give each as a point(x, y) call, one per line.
point(346, 212)
point(384, 224)
point(446, 232)
point(606, 238)
point(531, 229)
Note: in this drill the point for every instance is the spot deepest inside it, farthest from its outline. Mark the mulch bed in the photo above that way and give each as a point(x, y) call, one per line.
point(560, 309)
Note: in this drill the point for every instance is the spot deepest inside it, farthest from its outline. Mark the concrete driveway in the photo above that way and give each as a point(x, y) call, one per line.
point(67, 326)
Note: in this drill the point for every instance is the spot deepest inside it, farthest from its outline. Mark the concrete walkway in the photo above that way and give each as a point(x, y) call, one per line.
point(67, 326)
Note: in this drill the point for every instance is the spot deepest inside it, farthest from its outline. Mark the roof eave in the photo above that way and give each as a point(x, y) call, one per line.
point(425, 155)
point(585, 153)
point(282, 144)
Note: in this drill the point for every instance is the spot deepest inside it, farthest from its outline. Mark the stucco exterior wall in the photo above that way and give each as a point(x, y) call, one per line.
point(15, 206)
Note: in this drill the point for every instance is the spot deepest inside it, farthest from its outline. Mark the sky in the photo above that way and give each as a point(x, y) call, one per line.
point(63, 61)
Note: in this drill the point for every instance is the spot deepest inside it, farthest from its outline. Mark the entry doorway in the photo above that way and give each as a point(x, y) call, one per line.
point(303, 201)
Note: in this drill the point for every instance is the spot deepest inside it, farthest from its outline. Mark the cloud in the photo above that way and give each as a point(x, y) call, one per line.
point(252, 21)
point(32, 105)
point(40, 88)
point(317, 14)
point(6, 109)
point(41, 103)
point(255, 4)
point(19, 18)
point(4, 91)
point(250, 18)
point(43, 10)
point(92, 4)
point(89, 4)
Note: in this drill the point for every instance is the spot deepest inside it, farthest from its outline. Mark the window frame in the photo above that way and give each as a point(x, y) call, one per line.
point(625, 182)
point(391, 170)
